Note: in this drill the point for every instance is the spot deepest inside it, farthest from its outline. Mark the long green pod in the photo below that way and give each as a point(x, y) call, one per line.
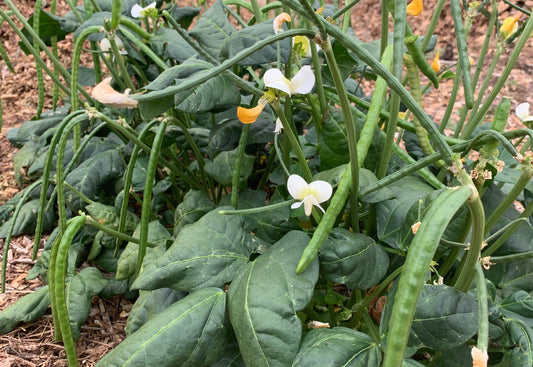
point(237, 170)
point(420, 60)
point(47, 169)
point(128, 178)
point(51, 286)
point(60, 170)
point(482, 300)
point(116, 9)
point(500, 120)
point(462, 48)
point(416, 266)
point(38, 68)
point(60, 297)
point(76, 54)
point(414, 87)
point(147, 194)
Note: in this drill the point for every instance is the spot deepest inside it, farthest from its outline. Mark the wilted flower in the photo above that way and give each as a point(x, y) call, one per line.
point(302, 83)
point(522, 112)
point(309, 194)
point(415, 7)
point(104, 93)
point(435, 64)
point(509, 26)
point(279, 20)
point(279, 126)
point(479, 357)
point(138, 11)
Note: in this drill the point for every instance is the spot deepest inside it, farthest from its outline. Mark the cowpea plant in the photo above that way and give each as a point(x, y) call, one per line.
point(228, 173)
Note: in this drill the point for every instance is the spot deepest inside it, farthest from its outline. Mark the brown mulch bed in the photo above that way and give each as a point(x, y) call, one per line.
point(33, 344)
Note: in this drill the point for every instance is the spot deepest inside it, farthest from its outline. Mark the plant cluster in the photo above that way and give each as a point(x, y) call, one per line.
point(228, 173)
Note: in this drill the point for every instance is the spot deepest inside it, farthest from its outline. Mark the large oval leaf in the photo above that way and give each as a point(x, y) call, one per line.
point(26, 309)
point(264, 299)
point(206, 253)
point(352, 259)
point(192, 332)
point(338, 347)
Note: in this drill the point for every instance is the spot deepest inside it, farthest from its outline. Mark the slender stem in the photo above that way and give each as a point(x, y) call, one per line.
point(432, 24)
point(510, 258)
point(350, 131)
point(257, 210)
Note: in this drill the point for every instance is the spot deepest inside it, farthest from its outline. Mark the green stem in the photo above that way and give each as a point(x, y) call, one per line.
point(350, 131)
point(432, 24)
point(482, 299)
point(510, 258)
point(257, 210)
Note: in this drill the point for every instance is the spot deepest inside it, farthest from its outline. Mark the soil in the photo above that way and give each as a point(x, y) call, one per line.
point(32, 344)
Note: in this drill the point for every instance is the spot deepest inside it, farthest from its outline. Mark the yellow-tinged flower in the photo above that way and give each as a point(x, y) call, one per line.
point(522, 112)
point(415, 7)
point(509, 26)
point(105, 45)
point(249, 115)
point(104, 93)
point(435, 64)
point(279, 20)
point(479, 357)
point(302, 83)
point(309, 194)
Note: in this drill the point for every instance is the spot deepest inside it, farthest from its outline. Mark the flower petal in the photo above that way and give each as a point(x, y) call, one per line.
point(105, 45)
point(104, 93)
point(297, 204)
point(279, 20)
point(279, 126)
point(321, 190)
point(303, 82)
point(297, 187)
point(435, 64)
point(274, 78)
point(136, 10)
point(249, 115)
point(522, 111)
point(308, 204)
point(415, 7)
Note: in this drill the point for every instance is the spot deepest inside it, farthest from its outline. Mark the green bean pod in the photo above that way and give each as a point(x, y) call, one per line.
point(420, 60)
point(500, 120)
point(414, 87)
point(462, 48)
point(416, 265)
point(147, 195)
point(59, 287)
point(38, 68)
point(116, 9)
point(128, 177)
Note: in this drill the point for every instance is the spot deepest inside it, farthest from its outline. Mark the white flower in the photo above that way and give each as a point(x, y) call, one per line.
point(105, 45)
point(138, 11)
point(309, 194)
point(279, 126)
point(302, 83)
point(104, 93)
point(303, 45)
point(522, 112)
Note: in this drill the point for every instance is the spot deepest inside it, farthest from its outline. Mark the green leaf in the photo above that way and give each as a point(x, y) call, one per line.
point(391, 213)
point(169, 44)
point(338, 347)
point(79, 291)
point(91, 177)
point(518, 305)
point(26, 220)
point(127, 262)
point(108, 216)
point(33, 128)
point(215, 92)
point(48, 27)
point(204, 254)
point(184, 15)
point(194, 205)
point(191, 332)
point(150, 304)
point(333, 143)
point(512, 276)
point(213, 29)
point(222, 167)
point(263, 301)
point(522, 337)
point(459, 356)
point(28, 308)
point(444, 318)
point(225, 136)
point(352, 259)
point(247, 37)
